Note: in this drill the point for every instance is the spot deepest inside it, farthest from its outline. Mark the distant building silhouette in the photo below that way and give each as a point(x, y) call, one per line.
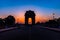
point(29, 14)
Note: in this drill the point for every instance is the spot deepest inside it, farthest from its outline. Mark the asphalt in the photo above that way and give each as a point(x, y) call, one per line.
point(30, 33)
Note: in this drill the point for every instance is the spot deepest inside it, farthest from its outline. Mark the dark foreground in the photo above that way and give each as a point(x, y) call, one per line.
point(30, 33)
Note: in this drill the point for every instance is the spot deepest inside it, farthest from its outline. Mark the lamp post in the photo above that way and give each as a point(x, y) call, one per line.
point(53, 15)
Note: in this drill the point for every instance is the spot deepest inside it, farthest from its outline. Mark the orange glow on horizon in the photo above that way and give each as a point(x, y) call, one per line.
point(37, 19)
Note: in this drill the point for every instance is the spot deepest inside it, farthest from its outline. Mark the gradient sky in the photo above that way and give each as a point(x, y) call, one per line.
point(42, 8)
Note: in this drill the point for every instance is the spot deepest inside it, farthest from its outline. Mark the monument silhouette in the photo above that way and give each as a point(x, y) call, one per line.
point(30, 14)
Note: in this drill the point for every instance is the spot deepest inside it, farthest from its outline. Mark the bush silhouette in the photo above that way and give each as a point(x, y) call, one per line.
point(52, 23)
point(38, 23)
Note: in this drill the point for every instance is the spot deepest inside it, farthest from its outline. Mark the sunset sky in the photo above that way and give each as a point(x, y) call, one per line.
point(42, 8)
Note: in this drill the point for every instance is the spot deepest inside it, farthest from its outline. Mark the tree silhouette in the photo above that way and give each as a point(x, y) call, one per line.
point(58, 20)
point(2, 23)
point(10, 20)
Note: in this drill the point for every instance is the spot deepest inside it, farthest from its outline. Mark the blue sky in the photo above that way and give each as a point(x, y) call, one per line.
point(41, 7)
point(55, 4)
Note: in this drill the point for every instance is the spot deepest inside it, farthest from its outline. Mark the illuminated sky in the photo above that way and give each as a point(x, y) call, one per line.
point(42, 8)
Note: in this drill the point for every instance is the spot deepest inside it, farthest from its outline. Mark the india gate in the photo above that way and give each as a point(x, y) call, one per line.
point(30, 14)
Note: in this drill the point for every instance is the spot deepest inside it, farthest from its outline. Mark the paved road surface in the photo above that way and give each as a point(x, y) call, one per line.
point(30, 33)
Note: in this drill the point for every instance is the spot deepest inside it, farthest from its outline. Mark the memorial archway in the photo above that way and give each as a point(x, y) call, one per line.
point(29, 14)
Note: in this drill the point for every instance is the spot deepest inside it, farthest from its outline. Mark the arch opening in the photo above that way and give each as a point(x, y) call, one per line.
point(29, 20)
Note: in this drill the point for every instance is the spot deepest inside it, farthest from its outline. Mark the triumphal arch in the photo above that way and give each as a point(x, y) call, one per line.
point(30, 14)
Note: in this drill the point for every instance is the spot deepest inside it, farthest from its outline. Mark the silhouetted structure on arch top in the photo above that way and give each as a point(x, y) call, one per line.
point(30, 14)
point(10, 21)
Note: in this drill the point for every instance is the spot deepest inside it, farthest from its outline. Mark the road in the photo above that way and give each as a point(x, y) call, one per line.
point(30, 33)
